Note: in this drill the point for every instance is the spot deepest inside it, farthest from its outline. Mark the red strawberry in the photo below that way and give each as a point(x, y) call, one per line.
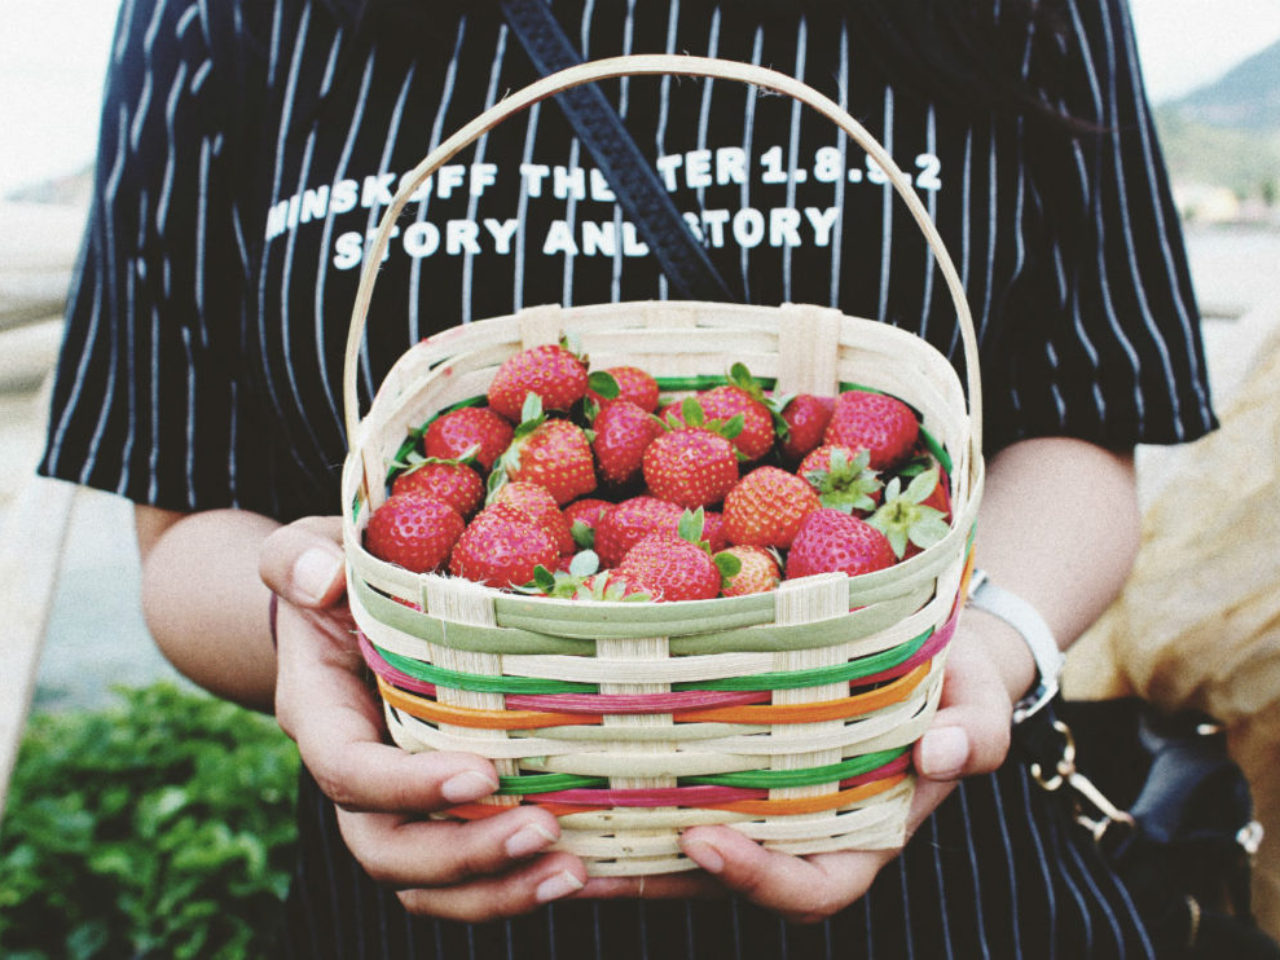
point(555, 454)
point(622, 432)
point(449, 481)
point(670, 568)
point(758, 572)
point(691, 466)
point(766, 507)
point(502, 547)
point(540, 506)
point(550, 371)
point(806, 417)
point(634, 385)
point(414, 531)
point(466, 430)
point(876, 422)
point(830, 541)
point(842, 478)
point(587, 511)
point(630, 522)
point(713, 531)
point(906, 519)
point(756, 437)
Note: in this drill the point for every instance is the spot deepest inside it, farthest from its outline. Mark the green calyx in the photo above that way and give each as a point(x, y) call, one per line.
point(904, 519)
point(848, 484)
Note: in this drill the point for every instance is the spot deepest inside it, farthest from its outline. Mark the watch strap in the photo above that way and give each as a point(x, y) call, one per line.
point(991, 598)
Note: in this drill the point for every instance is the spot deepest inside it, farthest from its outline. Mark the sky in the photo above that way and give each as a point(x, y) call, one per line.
point(53, 55)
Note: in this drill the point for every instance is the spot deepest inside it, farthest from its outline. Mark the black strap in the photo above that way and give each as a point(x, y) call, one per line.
point(638, 190)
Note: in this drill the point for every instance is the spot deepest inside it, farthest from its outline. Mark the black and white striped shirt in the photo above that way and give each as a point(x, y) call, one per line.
point(248, 149)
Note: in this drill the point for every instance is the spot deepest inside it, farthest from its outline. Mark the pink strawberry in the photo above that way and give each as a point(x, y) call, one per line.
point(449, 481)
point(630, 522)
point(587, 511)
point(634, 385)
point(555, 454)
point(413, 530)
point(713, 531)
point(830, 541)
point(540, 506)
point(502, 547)
point(806, 417)
point(758, 571)
point(876, 422)
point(766, 507)
point(550, 371)
point(691, 466)
point(475, 430)
point(670, 568)
point(622, 433)
point(756, 437)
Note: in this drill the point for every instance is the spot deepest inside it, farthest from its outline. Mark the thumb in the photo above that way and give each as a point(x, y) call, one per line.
point(970, 732)
point(303, 562)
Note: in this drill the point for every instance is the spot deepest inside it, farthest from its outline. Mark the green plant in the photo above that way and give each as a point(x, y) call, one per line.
point(161, 826)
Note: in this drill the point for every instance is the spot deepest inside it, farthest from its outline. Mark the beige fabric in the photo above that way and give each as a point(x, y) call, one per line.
point(1198, 623)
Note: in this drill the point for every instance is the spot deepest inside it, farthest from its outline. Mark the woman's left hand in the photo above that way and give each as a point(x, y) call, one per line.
point(969, 735)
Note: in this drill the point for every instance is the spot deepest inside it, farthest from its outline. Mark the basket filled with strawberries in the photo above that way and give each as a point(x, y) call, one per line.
point(667, 563)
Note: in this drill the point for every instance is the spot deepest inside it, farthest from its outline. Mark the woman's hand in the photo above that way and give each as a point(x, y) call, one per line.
point(969, 735)
point(463, 871)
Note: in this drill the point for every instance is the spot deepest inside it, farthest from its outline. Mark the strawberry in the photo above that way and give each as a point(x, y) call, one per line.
point(876, 422)
point(806, 417)
point(713, 531)
point(413, 530)
point(830, 541)
point(549, 371)
point(468, 430)
point(622, 432)
point(756, 437)
point(765, 508)
point(842, 478)
point(758, 572)
point(582, 579)
point(631, 521)
point(670, 568)
point(634, 385)
point(555, 454)
point(502, 547)
point(540, 506)
point(587, 511)
point(905, 518)
point(449, 481)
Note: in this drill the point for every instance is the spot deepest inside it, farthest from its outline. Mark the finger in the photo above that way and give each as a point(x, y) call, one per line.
point(415, 853)
point(694, 884)
point(547, 878)
point(303, 562)
point(970, 732)
point(323, 704)
point(802, 890)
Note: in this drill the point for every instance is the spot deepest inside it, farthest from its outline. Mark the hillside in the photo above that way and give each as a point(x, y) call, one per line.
point(1247, 97)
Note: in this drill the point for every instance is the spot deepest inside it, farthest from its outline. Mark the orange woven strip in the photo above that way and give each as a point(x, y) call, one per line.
point(840, 709)
point(828, 801)
point(435, 712)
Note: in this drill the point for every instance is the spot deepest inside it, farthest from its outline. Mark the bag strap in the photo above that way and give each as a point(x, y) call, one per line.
point(636, 186)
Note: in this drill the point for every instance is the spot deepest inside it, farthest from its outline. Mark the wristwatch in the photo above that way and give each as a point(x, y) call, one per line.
point(1012, 609)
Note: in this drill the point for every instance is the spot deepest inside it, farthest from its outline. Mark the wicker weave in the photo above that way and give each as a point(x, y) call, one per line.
point(788, 715)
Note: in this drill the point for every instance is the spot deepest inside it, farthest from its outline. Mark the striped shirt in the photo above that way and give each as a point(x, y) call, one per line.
point(248, 150)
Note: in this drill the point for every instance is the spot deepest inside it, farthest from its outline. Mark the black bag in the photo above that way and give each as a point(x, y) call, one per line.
point(1167, 808)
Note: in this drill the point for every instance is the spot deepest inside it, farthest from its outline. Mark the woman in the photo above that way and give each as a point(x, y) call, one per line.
point(247, 151)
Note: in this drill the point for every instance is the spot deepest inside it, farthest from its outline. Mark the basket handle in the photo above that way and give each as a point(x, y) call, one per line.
point(647, 65)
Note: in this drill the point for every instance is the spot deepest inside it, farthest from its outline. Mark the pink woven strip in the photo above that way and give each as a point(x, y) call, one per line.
point(941, 637)
point(648, 703)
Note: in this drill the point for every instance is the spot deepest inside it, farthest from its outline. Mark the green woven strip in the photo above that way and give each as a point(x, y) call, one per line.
point(481, 683)
point(750, 779)
point(772, 779)
point(705, 382)
point(793, 679)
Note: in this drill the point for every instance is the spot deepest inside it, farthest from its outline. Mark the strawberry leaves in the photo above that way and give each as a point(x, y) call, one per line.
point(904, 519)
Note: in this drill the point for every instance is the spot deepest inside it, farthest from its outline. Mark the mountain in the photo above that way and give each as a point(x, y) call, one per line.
point(1247, 97)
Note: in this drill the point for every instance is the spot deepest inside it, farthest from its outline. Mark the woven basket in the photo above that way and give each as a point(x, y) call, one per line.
point(787, 715)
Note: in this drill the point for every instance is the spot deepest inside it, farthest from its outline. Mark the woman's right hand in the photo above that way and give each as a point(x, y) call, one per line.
point(463, 871)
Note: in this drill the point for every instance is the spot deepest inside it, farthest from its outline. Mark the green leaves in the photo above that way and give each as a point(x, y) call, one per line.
point(904, 519)
point(162, 826)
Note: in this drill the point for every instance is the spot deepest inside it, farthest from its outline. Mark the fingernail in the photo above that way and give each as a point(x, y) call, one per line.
point(707, 856)
point(529, 839)
point(555, 887)
point(467, 785)
point(943, 752)
point(314, 572)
